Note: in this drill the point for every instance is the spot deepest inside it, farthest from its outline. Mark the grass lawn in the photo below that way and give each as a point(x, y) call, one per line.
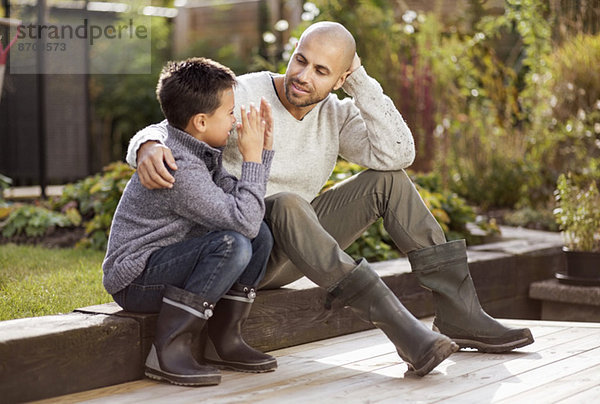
point(37, 281)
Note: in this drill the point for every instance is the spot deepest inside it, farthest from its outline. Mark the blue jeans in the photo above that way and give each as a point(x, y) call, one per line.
point(207, 266)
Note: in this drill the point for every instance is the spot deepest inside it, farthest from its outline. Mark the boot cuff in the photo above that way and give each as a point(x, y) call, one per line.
point(242, 293)
point(358, 281)
point(429, 258)
point(188, 299)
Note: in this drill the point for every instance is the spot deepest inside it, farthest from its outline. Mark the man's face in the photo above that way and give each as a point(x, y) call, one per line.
point(313, 71)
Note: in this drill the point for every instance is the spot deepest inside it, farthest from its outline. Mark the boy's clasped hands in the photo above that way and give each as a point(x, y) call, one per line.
point(255, 132)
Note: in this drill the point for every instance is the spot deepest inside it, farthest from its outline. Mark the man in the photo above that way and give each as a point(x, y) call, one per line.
point(314, 127)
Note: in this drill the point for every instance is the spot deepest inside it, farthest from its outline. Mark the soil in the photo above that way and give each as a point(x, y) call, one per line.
point(55, 238)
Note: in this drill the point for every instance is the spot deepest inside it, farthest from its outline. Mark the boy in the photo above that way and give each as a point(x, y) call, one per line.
point(182, 250)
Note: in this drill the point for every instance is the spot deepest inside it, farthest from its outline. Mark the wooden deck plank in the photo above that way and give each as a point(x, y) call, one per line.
point(482, 383)
point(563, 363)
point(318, 365)
point(522, 381)
point(459, 369)
point(588, 396)
point(562, 388)
point(299, 358)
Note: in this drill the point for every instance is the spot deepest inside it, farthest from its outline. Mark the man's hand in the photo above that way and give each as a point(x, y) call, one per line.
point(356, 63)
point(151, 158)
point(267, 116)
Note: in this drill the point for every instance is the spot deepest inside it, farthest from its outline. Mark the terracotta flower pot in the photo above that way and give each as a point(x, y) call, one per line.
point(582, 268)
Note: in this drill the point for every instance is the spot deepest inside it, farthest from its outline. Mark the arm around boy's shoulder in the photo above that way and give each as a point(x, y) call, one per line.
point(157, 132)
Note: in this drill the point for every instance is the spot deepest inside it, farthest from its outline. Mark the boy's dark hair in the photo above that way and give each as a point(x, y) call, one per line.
point(192, 86)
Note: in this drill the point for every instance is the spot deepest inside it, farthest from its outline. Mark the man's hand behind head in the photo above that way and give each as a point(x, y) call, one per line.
point(356, 63)
point(151, 158)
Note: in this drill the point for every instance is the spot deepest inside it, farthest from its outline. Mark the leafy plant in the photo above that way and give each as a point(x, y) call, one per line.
point(35, 221)
point(97, 197)
point(578, 212)
point(572, 85)
point(375, 244)
point(528, 217)
point(565, 132)
point(451, 211)
point(5, 183)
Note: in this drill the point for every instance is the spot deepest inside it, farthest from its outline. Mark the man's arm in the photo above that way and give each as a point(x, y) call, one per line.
point(157, 133)
point(148, 153)
point(374, 134)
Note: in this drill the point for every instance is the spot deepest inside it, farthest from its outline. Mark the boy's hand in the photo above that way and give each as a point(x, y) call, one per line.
point(251, 135)
point(267, 116)
point(151, 158)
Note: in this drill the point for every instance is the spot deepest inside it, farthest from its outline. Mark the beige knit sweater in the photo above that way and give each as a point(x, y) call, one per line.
point(365, 128)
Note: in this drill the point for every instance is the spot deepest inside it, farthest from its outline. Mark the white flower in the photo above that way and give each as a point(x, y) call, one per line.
point(269, 37)
point(281, 25)
point(409, 16)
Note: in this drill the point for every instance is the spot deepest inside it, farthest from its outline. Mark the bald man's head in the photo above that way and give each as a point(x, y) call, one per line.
point(321, 62)
point(332, 34)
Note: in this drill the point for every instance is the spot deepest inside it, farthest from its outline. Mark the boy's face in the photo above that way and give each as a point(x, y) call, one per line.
point(221, 122)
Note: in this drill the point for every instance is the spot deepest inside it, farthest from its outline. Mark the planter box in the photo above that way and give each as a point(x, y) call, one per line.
point(582, 268)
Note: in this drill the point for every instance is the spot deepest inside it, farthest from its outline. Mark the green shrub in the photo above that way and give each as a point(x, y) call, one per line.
point(5, 183)
point(451, 211)
point(97, 197)
point(497, 182)
point(574, 85)
point(375, 244)
point(35, 221)
point(528, 217)
point(565, 127)
point(487, 102)
point(578, 212)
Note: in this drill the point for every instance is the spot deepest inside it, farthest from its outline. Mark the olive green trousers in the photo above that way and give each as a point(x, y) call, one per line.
point(310, 238)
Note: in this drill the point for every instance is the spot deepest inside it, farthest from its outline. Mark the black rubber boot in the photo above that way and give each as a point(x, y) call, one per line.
point(181, 319)
point(443, 269)
point(225, 346)
point(368, 296)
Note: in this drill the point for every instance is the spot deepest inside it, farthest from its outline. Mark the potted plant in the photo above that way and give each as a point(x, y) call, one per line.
point(577, 214)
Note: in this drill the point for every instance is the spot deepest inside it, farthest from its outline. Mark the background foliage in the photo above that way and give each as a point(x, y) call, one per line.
point(96, 198)
point(500, 102)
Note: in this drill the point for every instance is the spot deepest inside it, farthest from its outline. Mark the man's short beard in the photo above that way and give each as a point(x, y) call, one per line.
point(286, 85)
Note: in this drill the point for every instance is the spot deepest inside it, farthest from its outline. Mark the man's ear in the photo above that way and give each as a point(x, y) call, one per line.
point(341, 80)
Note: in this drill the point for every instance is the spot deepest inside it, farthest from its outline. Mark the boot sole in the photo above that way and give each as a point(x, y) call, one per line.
point(183, 380)
point(487, 347)
point(492, 348)
point(244, 367)
point(441, 350)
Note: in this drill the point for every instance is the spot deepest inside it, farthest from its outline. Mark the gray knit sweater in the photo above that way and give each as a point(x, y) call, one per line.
point(365, 128)
point(205, 197)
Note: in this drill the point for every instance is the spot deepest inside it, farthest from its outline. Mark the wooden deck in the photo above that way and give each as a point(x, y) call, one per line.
point(563, 365)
